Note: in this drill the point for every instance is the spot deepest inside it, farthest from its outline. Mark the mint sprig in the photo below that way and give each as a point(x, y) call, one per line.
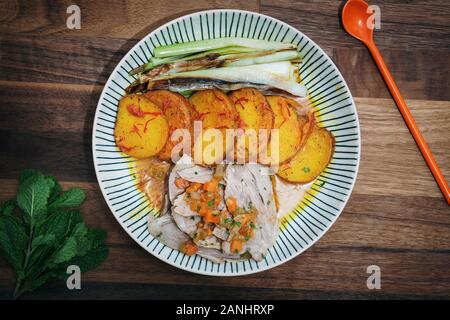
point(42, 232)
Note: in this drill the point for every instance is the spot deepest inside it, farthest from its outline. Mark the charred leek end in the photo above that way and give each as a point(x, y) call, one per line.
point(281, 75)
point(207, 45)
point(214, 60)
point(155, 62)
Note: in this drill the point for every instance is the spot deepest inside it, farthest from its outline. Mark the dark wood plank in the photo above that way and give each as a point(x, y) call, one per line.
point(140, 291)
point(405, 26)
point(391, 163)
point(420, 74)
point(340, 269)
point(48, 127)
point(117, 19)
point(60, 59)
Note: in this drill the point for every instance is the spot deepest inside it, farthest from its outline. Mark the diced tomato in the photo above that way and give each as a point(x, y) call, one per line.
point(217, 199)
point(203, 197)
point(231, 204)
point(236, 246)
point(204, 210)
point(193, 205)
point(181, 183)
point(246, 231)
point(193, 187)
point(211, 186)
point(189, 248)
point(211, 217)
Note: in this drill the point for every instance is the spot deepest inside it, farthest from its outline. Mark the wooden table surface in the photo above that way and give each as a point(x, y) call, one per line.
point(396, 218)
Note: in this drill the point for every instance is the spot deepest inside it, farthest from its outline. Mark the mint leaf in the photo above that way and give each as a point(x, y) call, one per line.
point(13, 242)
point(67, 251)
point(7, 207)
point(60, 224)
point(89, 261)
point(44, 239)
point(34, 283)
point(42, 232)
point(55, 190)
point(32, 196)
point(26, 174)
point(75, 244)
point(69, 199)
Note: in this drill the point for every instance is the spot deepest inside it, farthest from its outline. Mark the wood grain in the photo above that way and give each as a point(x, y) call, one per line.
point(396, 218)
point(405, 26)
point(117, 19)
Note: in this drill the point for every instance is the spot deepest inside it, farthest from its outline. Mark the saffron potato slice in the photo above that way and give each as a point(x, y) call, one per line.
point(179, 115)
point(253, 113)
point(311, 159)
point(141, 129)
point(215, 111)
point(289, 127)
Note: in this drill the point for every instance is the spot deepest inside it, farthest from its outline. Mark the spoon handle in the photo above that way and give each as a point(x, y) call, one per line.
point(412, 126)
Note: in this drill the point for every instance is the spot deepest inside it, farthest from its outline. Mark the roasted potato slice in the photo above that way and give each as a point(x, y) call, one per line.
point(311, 159)
point(253, 113)
point(178, 112)
point(289, 127)
point(253, 110)
point(216, 111)
point(307, 123)
point(141, 129)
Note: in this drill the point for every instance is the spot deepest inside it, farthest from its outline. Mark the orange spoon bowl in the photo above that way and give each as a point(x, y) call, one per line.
point(354, 17)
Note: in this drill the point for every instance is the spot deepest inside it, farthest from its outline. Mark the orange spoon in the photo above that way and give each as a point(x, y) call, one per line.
point(355, 16)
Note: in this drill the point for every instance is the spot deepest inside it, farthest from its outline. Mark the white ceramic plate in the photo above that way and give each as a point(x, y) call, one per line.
point(334, 107)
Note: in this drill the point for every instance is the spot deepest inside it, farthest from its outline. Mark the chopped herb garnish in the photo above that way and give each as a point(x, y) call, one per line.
point(246, 238)
point(237, 223)
point(210, 203)
point(306, 169)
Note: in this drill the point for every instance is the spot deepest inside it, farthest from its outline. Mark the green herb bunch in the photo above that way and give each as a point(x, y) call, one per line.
point(42, 232)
